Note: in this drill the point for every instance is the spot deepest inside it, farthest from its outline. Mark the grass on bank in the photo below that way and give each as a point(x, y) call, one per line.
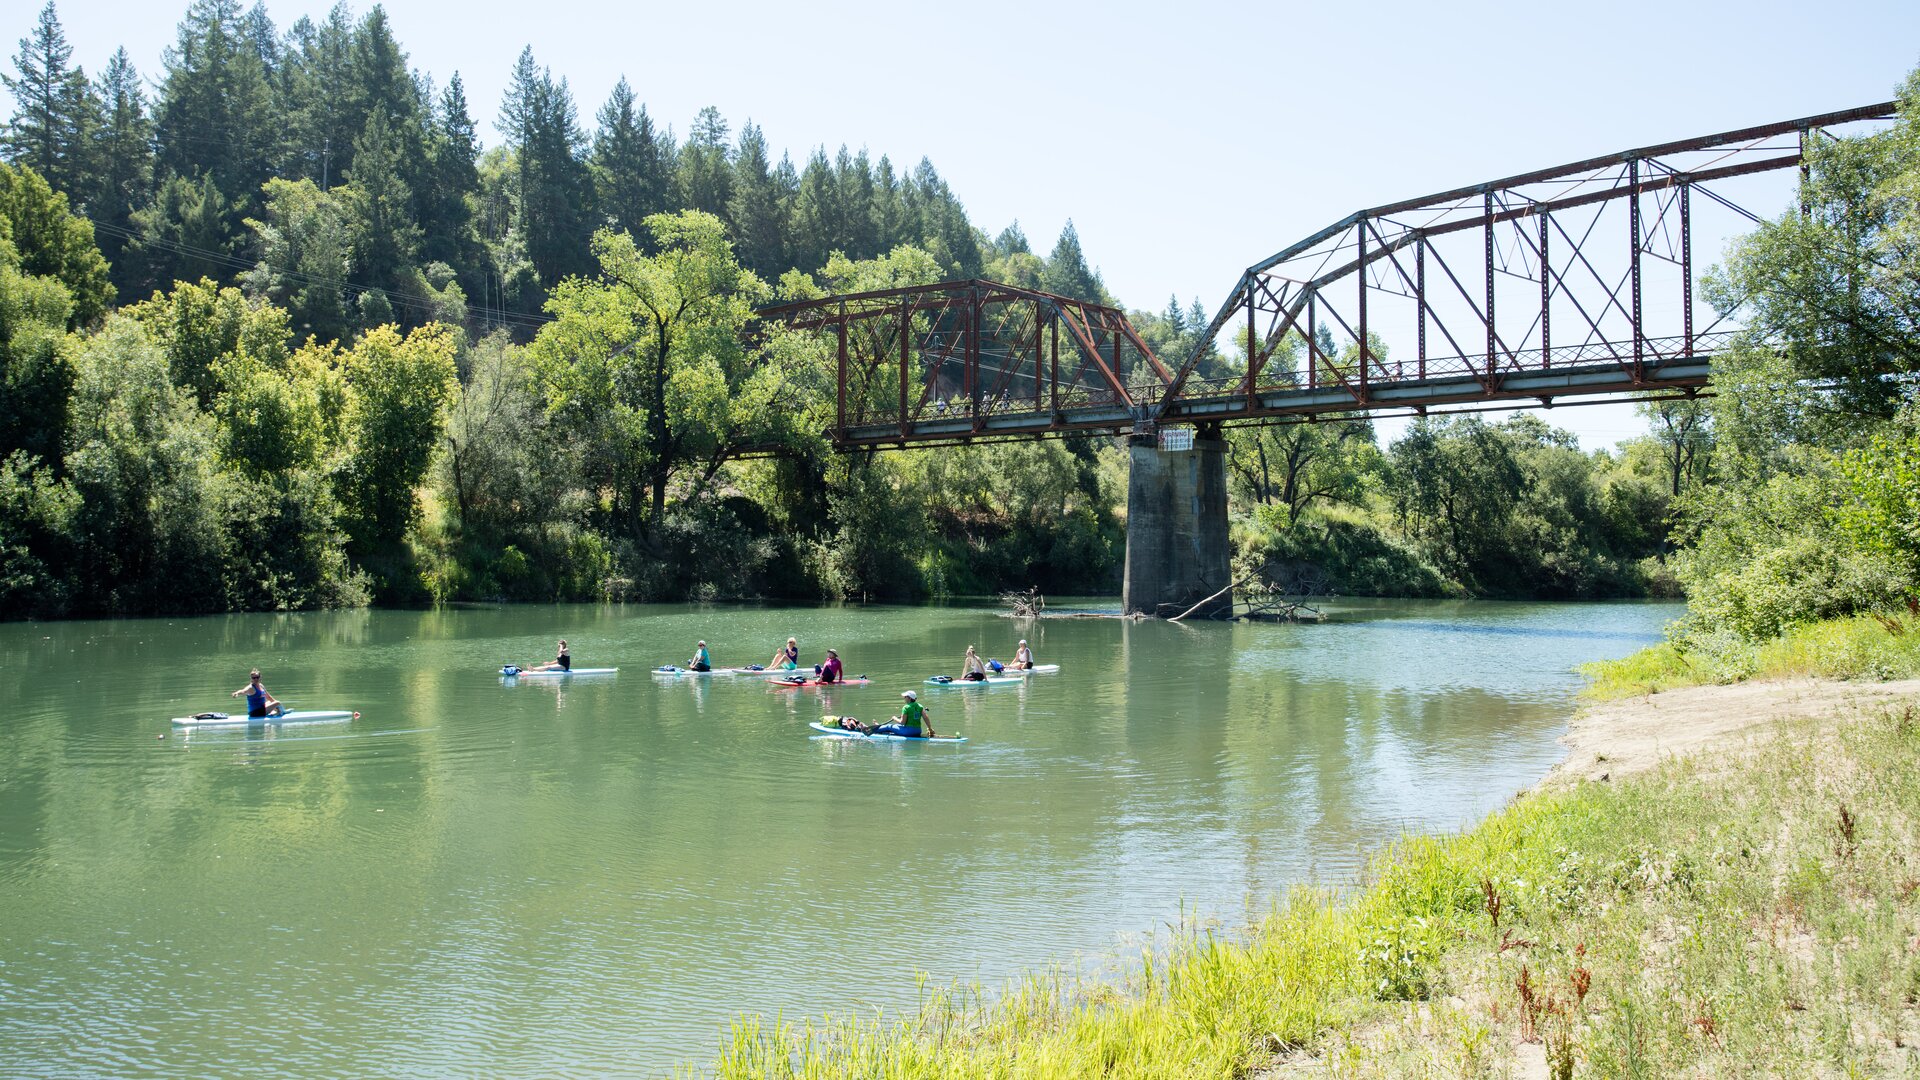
point(1696, 920)
point(1858, 647)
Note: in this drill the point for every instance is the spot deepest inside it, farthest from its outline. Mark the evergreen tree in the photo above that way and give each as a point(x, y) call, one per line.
point(188, 232)
point(317, 78)
point(555, 196)
point(626, 174)
point(446, 214)
point(1067, 273)
point(215, 115)
point(705, 173)
point(385, 238)
point(889, 215)
point(758, 210)
point(1012, 241)
point(854, 175)
point(123, 160)
point(55, 111)
point(815, 222)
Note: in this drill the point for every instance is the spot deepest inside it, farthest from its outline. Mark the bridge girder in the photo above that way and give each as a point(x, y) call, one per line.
point(1563, 283)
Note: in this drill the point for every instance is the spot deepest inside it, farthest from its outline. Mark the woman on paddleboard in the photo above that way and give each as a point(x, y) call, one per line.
point(1023, 656)
point(830, 671)
point(972, 668)
point(259, 702)
point(787, 657)
point(561, 662)
point(701, 661)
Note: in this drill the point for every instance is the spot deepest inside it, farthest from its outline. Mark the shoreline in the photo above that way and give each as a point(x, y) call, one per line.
point(1608, 740)
point(1736, 904)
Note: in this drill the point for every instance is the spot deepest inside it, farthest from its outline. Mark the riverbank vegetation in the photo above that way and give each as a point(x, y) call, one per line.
point(1699, 919)
point(285, 332)
point(1802, 555)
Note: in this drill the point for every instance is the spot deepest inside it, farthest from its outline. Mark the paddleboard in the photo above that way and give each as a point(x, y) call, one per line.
point(794, 684)
point(293, 716)
point(1037, 669)
point(512, 672)
point(991, 680)
point(670, 671)
point(845, 734)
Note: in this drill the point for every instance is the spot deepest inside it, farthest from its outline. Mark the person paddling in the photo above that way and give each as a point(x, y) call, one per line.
point(701, 661)
point(259, 702)
point(912, 721)
point(972, 668)
point(787, 657)
point(561, 662)
point(1022, 657)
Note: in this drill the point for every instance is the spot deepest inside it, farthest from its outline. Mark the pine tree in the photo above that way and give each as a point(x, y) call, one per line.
point(123, 161)
point(215, 114)
point(854, 175)
point(705, 173)
point(555, 194)
point(757, 210)
point(889, 214)
point(625, 162)
point(1067, 273)
point(55, 112)
point(815, 224)
point(446, 215)
point(317, 76)
point(385, 237)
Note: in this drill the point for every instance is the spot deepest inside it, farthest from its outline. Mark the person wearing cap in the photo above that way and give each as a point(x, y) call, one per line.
point(972, 668)
point(786, 657)
point(1022, 657)
point(912, 721)
point(701, 661)
point(259, 702)
point(830, 672)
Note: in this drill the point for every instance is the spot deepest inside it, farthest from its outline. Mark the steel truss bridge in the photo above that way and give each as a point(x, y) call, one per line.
point(1557, 285)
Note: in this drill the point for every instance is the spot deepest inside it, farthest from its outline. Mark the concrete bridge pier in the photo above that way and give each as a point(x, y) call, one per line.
point(1177, 548)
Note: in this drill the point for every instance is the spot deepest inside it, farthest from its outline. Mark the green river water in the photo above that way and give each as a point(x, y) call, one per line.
point(592, 877)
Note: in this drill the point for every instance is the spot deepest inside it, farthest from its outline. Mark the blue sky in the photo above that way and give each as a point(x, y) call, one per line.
point(1185, 141)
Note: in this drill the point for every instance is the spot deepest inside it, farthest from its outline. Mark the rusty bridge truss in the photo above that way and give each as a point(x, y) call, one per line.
point(1563, 284)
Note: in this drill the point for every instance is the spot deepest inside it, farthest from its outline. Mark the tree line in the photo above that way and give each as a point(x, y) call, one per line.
point(289, 335)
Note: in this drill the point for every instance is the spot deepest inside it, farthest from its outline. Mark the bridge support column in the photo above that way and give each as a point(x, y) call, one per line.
point(1177, 549)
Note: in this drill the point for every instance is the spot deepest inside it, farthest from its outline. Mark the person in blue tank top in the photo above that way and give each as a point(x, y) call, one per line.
point(259, 702)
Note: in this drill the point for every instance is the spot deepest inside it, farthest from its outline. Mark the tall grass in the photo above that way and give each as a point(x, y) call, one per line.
point(1857, 647)
point(1691, 921)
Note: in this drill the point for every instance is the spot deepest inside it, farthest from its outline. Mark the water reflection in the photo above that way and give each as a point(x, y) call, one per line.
point(592, 875)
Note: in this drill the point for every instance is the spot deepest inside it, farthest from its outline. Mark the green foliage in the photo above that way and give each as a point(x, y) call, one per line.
point(644, 368)
point(1882, 511)
point(198, 324)
point(48, 241)
point(398, 391)
point(36, 373)
point(1769, 555)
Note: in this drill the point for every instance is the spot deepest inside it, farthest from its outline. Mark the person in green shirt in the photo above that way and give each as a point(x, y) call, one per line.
point(912, 721)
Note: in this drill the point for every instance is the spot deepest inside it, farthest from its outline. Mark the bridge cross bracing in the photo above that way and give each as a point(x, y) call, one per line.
point(1564, 284)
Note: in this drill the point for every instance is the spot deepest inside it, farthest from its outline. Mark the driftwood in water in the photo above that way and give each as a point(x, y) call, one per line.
point(1027, 604)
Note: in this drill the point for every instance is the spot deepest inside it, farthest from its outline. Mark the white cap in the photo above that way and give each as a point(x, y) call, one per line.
point(909, 695)
point(1023, 641)
point(703, 643)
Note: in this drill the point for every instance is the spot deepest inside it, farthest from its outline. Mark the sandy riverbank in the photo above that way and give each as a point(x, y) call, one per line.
point(1612, 739)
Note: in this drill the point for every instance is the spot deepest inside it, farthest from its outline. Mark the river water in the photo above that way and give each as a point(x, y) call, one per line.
point(592, 877)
